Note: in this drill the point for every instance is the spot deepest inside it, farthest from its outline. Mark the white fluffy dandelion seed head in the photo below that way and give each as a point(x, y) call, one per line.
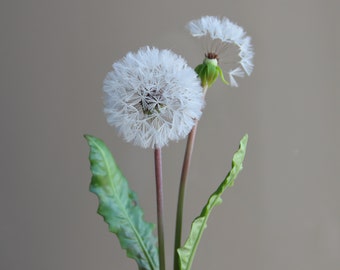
point(151, 97)
point(224, 34)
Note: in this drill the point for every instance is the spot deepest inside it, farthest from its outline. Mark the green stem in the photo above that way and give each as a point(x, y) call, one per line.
point(181, 192)
point(160, 212)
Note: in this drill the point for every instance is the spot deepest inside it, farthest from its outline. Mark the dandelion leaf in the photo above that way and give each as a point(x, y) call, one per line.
point(187, 252)
point(119, 206)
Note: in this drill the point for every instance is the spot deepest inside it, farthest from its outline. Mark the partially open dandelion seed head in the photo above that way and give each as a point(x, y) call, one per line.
point(152, 96)
point(227, 43)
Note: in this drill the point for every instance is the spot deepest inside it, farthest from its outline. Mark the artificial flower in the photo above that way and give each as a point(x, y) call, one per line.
point(152, 96)
point(224, 37)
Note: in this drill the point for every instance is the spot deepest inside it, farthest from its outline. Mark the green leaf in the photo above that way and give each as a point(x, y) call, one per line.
point(187, 252)
point(120, 208)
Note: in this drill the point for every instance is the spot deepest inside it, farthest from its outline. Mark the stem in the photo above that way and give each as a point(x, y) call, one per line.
point(160, 212)
point(181, 192)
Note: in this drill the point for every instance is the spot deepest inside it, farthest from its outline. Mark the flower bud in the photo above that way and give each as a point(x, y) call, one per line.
point(208, 72)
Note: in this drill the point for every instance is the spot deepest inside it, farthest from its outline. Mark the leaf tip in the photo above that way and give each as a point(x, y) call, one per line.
point(244, 142)
point(91, 140)
point(87, 137)
point(245, 138)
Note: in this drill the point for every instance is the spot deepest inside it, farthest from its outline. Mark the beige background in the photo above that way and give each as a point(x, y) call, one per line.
point(284, 211)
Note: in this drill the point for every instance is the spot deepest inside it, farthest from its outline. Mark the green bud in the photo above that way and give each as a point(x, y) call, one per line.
point(208, 71)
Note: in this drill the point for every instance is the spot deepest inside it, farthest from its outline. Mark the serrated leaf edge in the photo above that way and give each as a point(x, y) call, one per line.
point(92, 140)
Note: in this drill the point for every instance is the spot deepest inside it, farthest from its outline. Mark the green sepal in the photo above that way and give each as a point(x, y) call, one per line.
point(187, 252)
point(199, 68)
point(119, 206)
point(208, 72)
point(221, 75)
point(212, 73)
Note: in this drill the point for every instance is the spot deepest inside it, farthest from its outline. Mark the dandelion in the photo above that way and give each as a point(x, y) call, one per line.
point(151, 97)
point(226, 40)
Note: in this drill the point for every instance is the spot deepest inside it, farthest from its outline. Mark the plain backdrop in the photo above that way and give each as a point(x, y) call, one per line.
point(284, 210)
